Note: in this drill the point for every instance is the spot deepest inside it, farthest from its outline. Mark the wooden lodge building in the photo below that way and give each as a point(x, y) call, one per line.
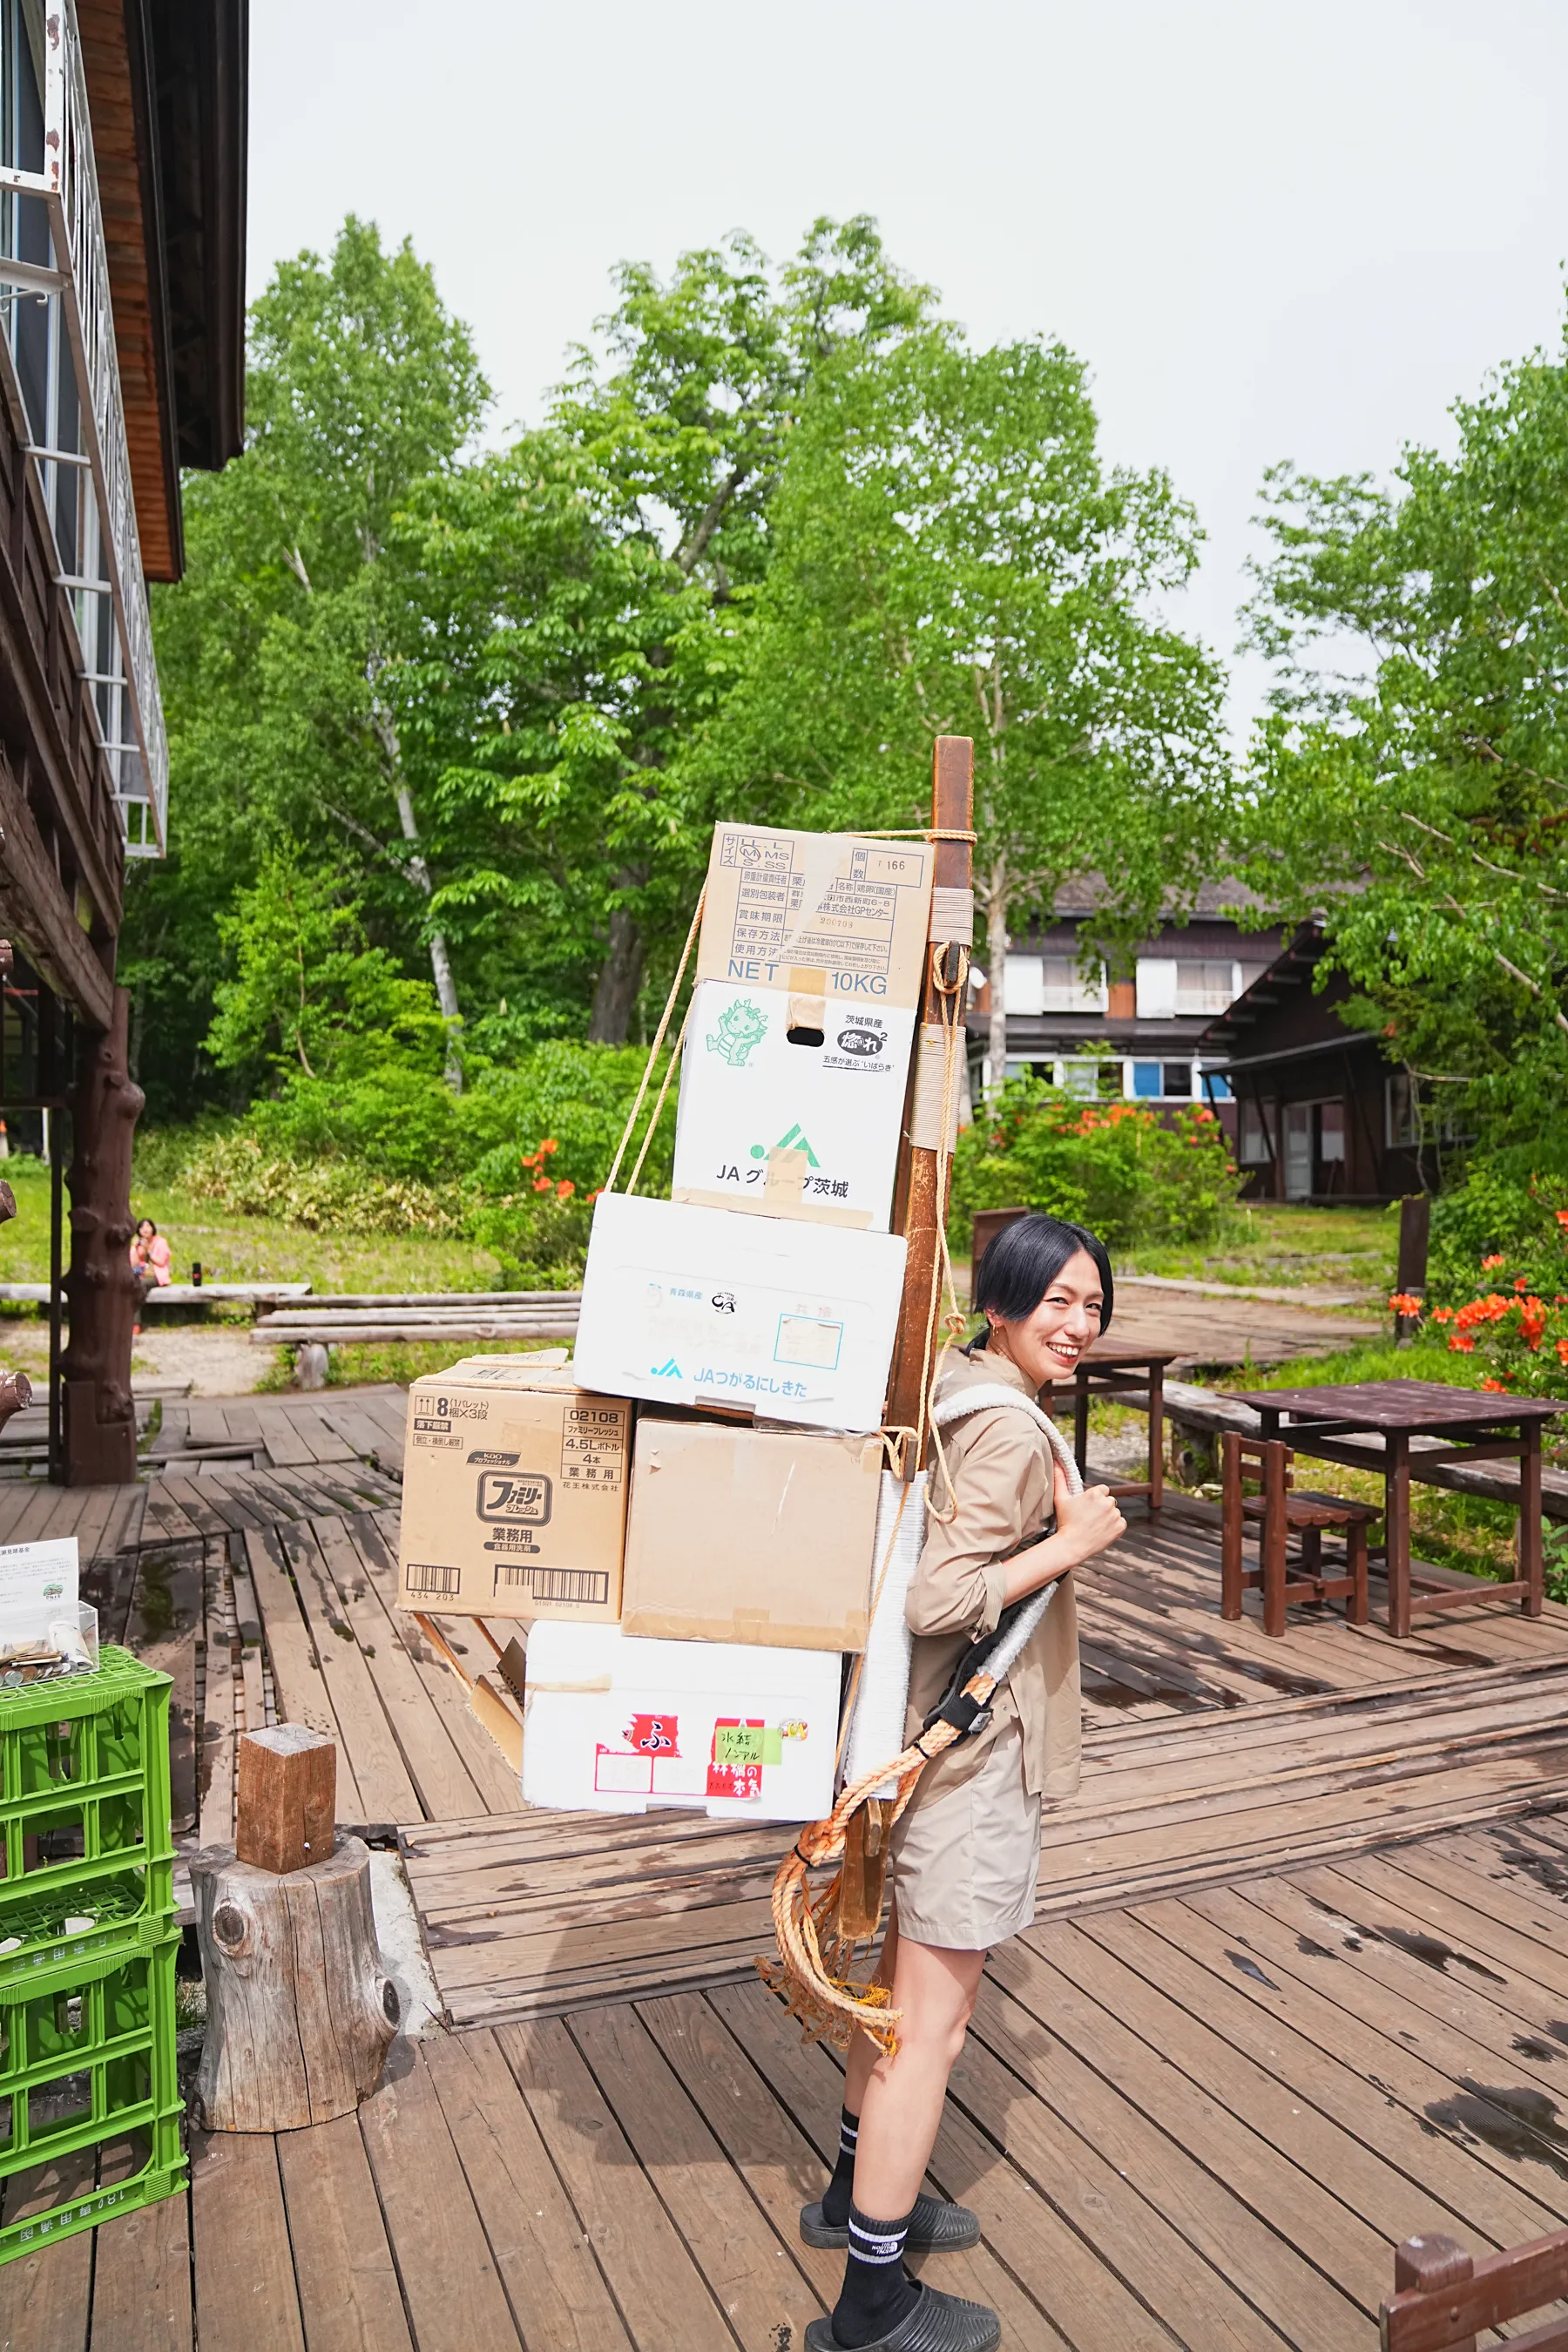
point(123, 174)
point(1141, 1037)
point(1319, 1113)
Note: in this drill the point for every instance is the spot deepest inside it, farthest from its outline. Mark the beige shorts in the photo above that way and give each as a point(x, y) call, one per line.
point(964, 1867)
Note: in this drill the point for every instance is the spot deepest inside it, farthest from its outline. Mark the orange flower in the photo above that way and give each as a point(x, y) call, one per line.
point(564, 1190)
point(1562, 1351)
point(550, 1144)
point(1522, 1281)
point(594, 1195)
point(1562, 1217)
point(1462, 1344)
point(1488, 1263)
point(1405, 1302)
point(1442, 1315)
point(1490, 1309)
point(1499, 1388)
point(543, 1184)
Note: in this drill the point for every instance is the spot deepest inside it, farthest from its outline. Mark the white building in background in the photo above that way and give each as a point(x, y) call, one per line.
point(1138, 1037)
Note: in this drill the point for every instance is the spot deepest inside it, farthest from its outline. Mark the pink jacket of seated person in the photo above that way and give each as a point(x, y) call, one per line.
point(151, 1258)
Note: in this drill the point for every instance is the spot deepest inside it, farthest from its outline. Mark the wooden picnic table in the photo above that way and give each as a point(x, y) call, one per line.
point(1107, 1372)
point(1369, 1425)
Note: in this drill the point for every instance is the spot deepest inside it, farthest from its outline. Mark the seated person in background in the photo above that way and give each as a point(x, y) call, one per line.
point(149, 1254)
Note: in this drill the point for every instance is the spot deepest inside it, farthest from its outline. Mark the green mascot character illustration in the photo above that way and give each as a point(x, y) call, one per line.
point(741, 1026)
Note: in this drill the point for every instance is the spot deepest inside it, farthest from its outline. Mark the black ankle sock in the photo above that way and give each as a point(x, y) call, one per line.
point(878, 2290)
point(837, 2195)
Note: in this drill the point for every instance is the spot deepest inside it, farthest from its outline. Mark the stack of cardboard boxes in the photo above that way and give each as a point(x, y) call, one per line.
point(684, 1515)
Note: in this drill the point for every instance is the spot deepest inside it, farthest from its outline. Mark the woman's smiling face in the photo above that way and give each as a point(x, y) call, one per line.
point(1047, 1344)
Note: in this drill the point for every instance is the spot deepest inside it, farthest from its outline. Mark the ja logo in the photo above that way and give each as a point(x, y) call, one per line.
point(794, 1141)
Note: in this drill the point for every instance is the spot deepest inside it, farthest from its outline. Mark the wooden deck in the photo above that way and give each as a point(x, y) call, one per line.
point(1201, 2121)
point(1298, 1986)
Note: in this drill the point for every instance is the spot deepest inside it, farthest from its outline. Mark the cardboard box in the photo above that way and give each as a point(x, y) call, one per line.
point(514, 1494)
point(824, 914)
point(699, 1306)
point(818, 1081)
point(749, 1535)
point(614, 1726)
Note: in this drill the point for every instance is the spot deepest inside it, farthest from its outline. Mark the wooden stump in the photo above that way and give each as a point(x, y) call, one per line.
point(299, 2013)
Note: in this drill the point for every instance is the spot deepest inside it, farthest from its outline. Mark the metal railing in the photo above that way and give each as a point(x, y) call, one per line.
point(73, 408)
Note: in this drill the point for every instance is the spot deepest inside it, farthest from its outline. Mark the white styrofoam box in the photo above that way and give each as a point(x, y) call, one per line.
point(615, 1725)
point(750, 1082)
point(689, 1305)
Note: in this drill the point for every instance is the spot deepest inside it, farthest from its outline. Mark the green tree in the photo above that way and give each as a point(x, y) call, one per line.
point(684, 409)
point(310, 995)
point(1413, 774)
point(275, 650)
point(950, 556)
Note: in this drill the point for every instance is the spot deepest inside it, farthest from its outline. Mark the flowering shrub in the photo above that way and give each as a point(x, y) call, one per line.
point(1115, 1166)
point(1518, 1327)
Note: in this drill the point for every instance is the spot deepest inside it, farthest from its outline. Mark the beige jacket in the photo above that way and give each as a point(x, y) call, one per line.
point(1002, 1491)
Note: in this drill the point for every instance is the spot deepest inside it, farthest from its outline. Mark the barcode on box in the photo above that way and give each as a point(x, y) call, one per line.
point(573, 1584)
point(425, 1576)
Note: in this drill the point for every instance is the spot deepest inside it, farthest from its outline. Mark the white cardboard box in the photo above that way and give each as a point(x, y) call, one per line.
point(756, 1080)
point(699, 1306)
point(615, 1725)
point(829, 913)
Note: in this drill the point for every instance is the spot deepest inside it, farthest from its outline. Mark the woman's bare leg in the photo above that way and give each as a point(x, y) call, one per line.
point(900, 2098)
point(863, 2053)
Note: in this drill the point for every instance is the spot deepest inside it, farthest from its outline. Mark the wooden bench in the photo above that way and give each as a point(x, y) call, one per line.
point(1444, 2300)
point(1280, 1511)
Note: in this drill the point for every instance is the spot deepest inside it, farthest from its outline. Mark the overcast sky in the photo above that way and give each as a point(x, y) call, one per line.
point(1270, 232)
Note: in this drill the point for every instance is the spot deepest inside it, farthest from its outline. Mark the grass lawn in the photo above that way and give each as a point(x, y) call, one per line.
point(1279, 1245)
point(249, 1249)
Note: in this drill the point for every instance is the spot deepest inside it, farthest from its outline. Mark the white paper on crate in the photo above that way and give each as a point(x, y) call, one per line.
point(876, 1731)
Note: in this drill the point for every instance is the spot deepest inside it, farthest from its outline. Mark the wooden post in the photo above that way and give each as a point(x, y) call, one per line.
point(102, 1286)
point(1430, 2263)
point(299, 2012)
point(918, 1211)
point(1531, 1551)
point(1414, 1234)
point(286, 1797)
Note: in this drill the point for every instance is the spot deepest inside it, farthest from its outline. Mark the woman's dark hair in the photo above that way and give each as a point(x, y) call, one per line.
point(144, 1220)
point(1023, 1260)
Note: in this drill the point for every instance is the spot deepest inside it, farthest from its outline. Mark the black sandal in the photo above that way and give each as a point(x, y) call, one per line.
point(934, 2323)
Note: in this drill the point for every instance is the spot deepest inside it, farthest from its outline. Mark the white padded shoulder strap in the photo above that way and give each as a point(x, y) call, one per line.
point(961, 1402)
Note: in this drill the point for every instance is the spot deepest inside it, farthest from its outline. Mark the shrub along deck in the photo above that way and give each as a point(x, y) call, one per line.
point(1295, 1991)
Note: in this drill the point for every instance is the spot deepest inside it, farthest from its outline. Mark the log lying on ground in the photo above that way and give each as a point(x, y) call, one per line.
point(470, 1301)
point(349, 1332)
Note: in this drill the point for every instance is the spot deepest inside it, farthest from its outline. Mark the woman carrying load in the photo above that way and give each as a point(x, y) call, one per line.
point(965, 1853)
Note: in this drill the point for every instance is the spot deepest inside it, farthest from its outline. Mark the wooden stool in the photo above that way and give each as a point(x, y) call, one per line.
point(1280, 1512)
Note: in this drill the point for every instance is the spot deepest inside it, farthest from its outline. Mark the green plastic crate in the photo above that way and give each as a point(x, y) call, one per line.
point(90, 2101)
point(84, 1817)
